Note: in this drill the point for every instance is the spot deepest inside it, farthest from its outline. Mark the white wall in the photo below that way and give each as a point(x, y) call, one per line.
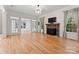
point(19, 14)
point(1, 9)
point(0, 21)
point(4, 21)
point(16, 14)
point(60, 19)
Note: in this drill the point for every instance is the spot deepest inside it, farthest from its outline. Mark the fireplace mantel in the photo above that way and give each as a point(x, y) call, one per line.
point(56, 25)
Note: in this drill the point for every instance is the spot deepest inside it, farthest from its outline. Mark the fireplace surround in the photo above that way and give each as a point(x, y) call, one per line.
point(52, 29)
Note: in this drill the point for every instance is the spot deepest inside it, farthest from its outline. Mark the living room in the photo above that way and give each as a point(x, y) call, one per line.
point(40, 31)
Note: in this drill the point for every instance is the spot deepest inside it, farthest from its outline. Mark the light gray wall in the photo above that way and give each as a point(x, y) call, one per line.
point(60, 18)
point(15, 14)
point(0, 23)
point(4, 23)
point(22, 15)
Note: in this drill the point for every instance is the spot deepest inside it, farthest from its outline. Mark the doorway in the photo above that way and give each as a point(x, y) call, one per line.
point(25, 25)
point(34, 26)
point(41, 25)
point(15, 27)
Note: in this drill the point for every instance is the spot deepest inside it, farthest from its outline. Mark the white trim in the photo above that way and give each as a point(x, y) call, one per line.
point(13, 17)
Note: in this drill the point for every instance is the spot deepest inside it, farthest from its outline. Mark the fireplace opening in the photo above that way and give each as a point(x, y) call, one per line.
point(53, 31)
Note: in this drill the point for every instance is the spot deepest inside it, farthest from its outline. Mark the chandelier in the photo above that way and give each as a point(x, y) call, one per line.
point(38, 9)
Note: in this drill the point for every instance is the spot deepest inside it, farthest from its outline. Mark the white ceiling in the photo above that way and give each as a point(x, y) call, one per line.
point(30, 9)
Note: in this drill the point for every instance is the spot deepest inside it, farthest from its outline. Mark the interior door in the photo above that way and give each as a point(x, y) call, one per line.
point(41, 25)
point(14, 26)
point(34, 26)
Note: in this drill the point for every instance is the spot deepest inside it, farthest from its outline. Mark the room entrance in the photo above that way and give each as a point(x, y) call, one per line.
point(25, 25)
point(15, 25)
point(34, 26)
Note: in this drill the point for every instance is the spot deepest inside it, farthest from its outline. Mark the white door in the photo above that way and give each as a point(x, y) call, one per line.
point(34, 26)
point(14, 26)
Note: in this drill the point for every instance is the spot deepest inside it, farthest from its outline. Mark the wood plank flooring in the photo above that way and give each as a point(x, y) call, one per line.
point(37, 43)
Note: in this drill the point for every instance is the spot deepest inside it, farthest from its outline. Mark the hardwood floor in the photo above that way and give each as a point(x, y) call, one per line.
point(37, 43)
